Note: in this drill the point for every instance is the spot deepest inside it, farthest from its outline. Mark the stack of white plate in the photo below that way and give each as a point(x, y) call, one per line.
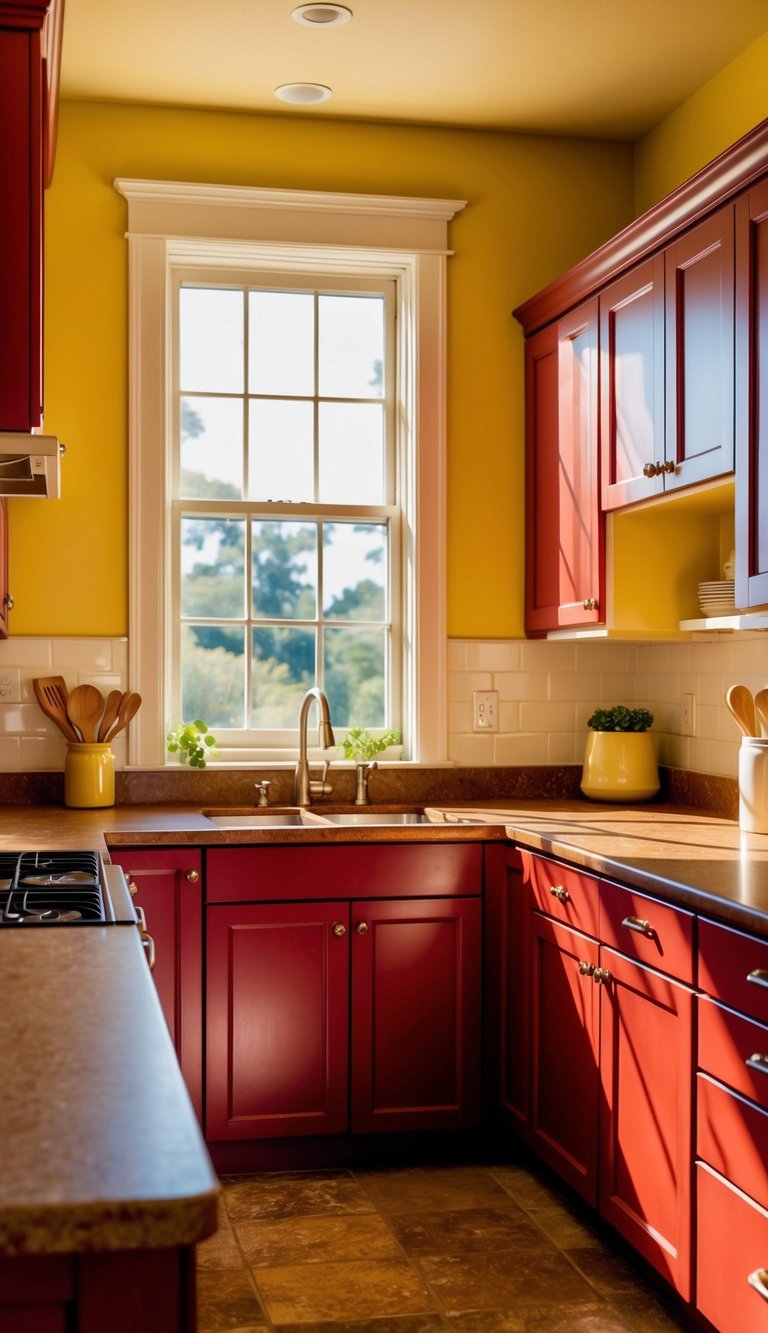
point(717, 598)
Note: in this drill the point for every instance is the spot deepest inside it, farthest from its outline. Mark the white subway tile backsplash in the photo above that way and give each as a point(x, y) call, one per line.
point(521, 685)
point(462, 684)
point(493, 655)
point(471, 751)
point(27, 652)
point(547, 655)
point(546, 717)
point(81, 655)
point(524, 748)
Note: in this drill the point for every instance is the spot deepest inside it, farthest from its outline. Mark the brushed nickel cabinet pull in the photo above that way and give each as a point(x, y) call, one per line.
point(759, 978)
point(759, 1280)
point(638, 924)
point(562, 894)
point(758, 1062)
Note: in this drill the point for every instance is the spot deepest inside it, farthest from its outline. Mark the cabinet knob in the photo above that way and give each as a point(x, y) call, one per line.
point(339, 929)
point(191, 876)
point(601, 975)
point(8, 601)
point(667, 467)
point(586, 969)
point(132, 887)
point(362, 927)
point(562, 894)
point(758, 1062)
point(590, 603)
point(651, 470)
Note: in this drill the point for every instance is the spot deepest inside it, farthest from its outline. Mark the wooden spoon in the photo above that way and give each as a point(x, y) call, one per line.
point(761, 708)
point(84, 708)
point(51, 694)
point(110, 712)
point(742, 706)
point(129, 705)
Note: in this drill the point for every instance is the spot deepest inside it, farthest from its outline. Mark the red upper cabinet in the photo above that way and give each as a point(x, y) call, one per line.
point(565, 567)
point(752, 397)
point(632, 385)
point(30, 35)
point(699, 306)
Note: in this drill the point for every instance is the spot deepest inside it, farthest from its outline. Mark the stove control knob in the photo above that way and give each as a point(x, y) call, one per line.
point(191, 877)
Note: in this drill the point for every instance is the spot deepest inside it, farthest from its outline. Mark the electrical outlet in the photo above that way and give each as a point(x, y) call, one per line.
point(688, 715)
point(10, 685)
point(486, 710)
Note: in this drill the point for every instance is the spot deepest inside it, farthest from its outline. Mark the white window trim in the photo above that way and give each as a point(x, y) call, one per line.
point(170, 222)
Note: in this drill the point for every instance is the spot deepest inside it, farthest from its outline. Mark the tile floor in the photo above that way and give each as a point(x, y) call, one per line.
point(473, 1249)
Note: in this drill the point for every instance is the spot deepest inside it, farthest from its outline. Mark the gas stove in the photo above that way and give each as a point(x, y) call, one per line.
point(62, 889)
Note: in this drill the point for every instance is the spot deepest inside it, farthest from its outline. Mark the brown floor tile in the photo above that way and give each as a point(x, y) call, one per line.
point(311, 1240)
point(526, 1188)
point(430, 1188)
point(569, 1228)
point(226, 1303)
point(290, 1195)
point(596, 1317)
point(317, 1292)
point(498, 1281)
point(410, 1323)
point(645, 1312)
point(220, 1250)
point(608, 1271)
point(465, 1230)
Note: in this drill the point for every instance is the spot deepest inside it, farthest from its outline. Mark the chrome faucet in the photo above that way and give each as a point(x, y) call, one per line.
point(305, 786)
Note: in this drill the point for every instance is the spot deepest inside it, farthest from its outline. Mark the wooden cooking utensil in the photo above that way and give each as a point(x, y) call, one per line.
point(51, 694)
point(110, 712)
point(129, 706)
point(742, 706)
point(84, 708)
point(761, 708)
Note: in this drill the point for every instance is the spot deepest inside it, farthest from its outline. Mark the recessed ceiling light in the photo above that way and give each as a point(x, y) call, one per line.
point(322, 16)
point(303, 94)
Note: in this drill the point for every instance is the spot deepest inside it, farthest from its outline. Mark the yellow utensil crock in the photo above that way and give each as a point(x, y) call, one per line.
point(89, 775)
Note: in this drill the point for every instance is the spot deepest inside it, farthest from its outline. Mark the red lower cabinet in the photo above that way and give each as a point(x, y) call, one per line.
point(291, 985)
point(507, 1021)
point(732, 1246)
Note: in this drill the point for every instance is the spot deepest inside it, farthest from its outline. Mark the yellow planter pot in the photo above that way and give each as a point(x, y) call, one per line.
point(89, 775)
point(620, 766)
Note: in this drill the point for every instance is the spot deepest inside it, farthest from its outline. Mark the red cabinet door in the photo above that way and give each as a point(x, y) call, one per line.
point(732, 1247)
point(416, 1034)
point(565, 563)
point(507, 947)
point(277, 1020)
point(752, 397)
point(699, 305)
point(632, 384)
point(646, 1058)
point(564, 1052)
point(168, 886)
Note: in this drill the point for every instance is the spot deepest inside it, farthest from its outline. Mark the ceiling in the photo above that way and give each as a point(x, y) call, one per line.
point(608, 68)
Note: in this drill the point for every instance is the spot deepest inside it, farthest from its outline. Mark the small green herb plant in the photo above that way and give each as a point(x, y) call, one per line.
point(192, 741)
point(360, 744)
point(620, 719)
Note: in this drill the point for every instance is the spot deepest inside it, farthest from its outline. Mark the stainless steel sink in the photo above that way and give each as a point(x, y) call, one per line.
point(289, 819)
point(375, 817)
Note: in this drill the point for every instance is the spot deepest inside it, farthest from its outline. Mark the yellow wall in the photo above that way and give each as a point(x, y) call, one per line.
point(710, 121)
point(536, 205)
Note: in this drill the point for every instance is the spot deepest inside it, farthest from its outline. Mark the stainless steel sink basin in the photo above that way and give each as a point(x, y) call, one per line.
point(375, 817)
point(290, 819)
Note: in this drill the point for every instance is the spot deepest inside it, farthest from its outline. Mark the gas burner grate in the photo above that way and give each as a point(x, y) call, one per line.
point(50, 888)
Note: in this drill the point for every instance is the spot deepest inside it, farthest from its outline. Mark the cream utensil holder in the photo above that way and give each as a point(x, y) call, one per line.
point(753, 785)
point(89, 776)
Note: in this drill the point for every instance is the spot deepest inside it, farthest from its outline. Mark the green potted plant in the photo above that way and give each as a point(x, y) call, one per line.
point(360, 745)
point(620, 757)
point(192, 742)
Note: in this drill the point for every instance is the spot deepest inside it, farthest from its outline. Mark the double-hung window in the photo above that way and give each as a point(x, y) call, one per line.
point(287, 386)
point(286, 523)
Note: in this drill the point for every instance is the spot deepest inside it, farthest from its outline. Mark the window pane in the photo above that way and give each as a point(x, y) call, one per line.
point(284, 570)
point(355, 571)
point(210, 340)
point(351, 346)
point(213, 567)
point(351, 453)
point(281, 452)
point(211, 449)
point(355, 676)
point(281, 337)
point(213, 674)
point(283, 670)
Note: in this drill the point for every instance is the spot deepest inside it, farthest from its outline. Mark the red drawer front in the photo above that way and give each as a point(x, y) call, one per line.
point(566, 894)
point(727, 1041)
point(648, 930)
point(732, 1137)
point(732, 1243)
point(727, 958)
point(275, 874)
